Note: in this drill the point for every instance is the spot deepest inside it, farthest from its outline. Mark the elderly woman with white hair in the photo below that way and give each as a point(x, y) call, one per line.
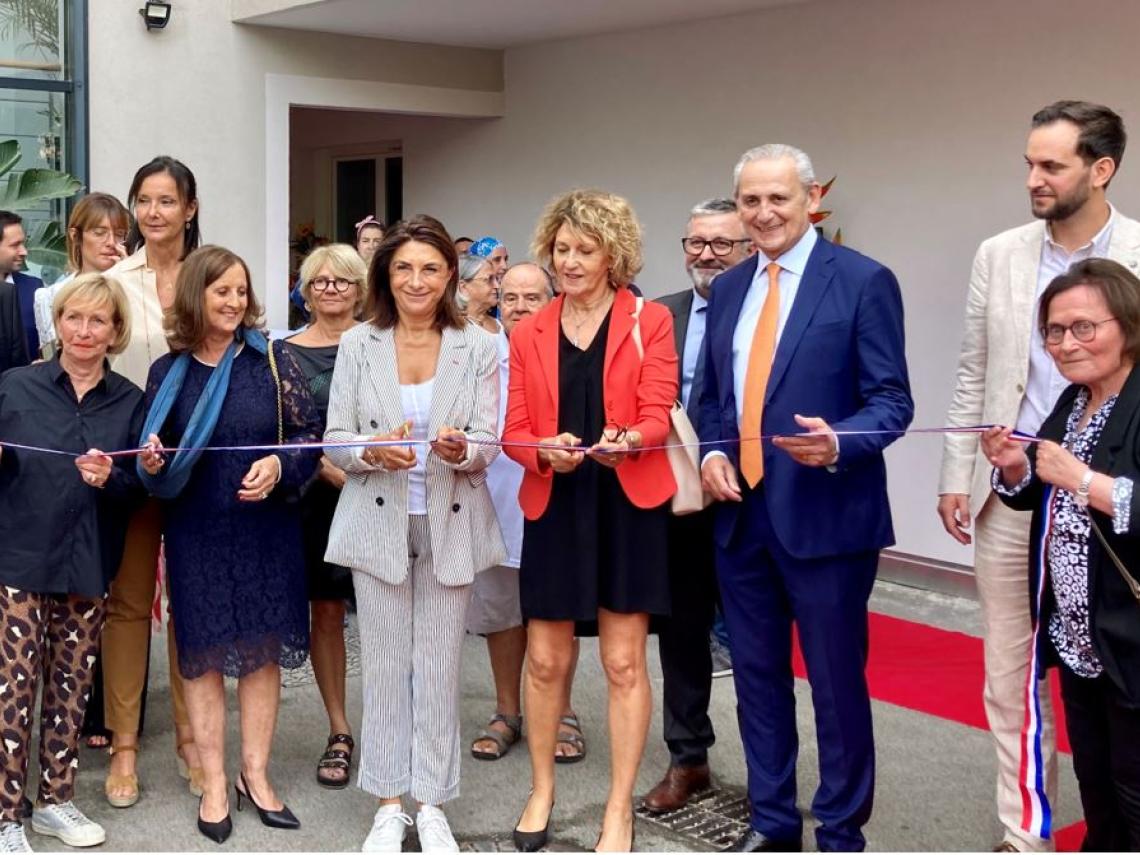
point(478, 292)
point(333, 289)
point(63, 523)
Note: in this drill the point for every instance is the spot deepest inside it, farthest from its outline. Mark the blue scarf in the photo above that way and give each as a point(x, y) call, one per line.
point(171, 480)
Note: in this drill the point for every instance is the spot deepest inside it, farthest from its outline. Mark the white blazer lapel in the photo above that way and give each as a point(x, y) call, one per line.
point(384, 376)
point(1024, 263)
point(450, 370)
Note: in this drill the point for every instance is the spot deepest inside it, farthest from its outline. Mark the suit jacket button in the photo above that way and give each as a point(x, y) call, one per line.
point(373, 423)
point(455, 507)
point(1020, 389)
point(380, 500)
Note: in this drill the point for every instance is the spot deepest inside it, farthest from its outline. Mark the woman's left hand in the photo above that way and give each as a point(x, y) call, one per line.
point(450, 445)
point(95, 467)
point(260, 480)
point(1057, 466)
point(612, 452)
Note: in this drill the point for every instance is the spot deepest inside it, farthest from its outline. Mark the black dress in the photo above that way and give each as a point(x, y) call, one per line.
point(592, 548)
point(318, 499)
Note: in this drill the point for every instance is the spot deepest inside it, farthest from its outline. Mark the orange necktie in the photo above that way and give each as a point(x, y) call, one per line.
point(756, 381)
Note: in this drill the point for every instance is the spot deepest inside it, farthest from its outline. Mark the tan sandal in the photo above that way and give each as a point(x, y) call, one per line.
point(122, 782)
point(196, 775)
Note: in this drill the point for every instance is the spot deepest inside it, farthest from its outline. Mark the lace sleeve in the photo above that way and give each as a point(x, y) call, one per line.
point(1002, 490)
point(300, 419)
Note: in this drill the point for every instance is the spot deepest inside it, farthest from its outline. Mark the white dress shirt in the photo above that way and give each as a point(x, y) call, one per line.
point(1045, 383)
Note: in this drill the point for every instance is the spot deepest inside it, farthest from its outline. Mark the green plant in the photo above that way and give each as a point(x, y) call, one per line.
point(47, 245)
point(38, 20)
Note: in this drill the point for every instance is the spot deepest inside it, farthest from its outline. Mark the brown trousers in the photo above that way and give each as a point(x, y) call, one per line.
point(56, 637)
point(126, 636)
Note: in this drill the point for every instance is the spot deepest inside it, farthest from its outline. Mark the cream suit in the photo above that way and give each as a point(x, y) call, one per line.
point(993, 370)
point(413, 573)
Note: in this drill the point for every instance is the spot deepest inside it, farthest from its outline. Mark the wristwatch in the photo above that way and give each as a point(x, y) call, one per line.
point(1081, 497)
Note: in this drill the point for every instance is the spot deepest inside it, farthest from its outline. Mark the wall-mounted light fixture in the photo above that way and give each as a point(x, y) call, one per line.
point(156, 14)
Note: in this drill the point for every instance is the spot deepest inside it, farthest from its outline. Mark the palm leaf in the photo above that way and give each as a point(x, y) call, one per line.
point(37, 185)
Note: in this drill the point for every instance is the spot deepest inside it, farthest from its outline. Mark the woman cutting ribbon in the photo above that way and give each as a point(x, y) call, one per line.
point(1080, 483)
point(234, 553)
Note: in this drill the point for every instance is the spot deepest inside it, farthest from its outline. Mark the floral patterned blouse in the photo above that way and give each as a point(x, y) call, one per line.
point(1067, 550)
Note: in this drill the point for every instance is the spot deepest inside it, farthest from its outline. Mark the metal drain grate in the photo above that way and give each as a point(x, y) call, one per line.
point(714, 818)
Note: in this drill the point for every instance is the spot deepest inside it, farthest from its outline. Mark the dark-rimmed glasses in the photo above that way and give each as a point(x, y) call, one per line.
point(1083, 331)
point(322, 283)
point(720, 246)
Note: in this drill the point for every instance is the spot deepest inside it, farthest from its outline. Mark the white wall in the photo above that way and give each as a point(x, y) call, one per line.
point(198, 90)
point(919, 106)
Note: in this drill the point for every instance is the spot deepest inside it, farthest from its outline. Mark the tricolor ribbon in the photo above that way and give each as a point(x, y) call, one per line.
point(1036, 814)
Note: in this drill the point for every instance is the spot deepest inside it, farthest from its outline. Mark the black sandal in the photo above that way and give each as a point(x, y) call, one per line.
point(503, 741)
point(336, 758)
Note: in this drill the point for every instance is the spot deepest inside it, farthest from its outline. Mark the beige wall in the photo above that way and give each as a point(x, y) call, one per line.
point(920, 107)
point(197, 90)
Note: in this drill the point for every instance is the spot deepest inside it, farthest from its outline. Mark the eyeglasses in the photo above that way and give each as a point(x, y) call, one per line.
point(1083, 331)
point(720, 246)
point(322, 284)
point(102, 233)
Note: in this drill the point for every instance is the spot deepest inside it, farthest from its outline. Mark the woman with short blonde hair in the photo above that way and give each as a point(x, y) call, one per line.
point(593, 376)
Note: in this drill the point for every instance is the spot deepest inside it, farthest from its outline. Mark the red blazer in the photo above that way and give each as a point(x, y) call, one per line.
point(636, 393)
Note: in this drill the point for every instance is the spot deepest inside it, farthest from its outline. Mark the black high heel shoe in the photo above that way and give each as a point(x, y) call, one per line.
point(283, 818)
point(219, 832)
point(532, 841)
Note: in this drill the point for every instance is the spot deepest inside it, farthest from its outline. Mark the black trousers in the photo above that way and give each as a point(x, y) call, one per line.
point(683, 639)
point(1104, 732)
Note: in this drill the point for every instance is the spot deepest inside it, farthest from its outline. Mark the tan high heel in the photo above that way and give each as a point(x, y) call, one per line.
point(196, 775)
point(120, 782)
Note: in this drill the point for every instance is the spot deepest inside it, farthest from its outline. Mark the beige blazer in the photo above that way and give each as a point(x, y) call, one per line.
point(370, 528)
point(993, 366)
point(148, 339)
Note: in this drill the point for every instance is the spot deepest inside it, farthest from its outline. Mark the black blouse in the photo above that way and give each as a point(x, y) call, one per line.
point(58, 534)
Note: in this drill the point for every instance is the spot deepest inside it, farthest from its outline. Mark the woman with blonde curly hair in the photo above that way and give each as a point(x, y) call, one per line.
point(333, 286)
point(592, 378)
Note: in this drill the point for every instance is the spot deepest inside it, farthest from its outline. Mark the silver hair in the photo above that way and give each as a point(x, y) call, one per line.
point(546, 274)
point(469, 267)
point(713, 207)
point(775, 151)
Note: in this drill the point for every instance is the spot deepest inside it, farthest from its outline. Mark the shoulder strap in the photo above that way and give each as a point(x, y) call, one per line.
point(636, 331)
point(1129, 579)
point(277, 389)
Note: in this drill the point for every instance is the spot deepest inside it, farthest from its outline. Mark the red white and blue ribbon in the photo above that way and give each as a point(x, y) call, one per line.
point(1036, 813)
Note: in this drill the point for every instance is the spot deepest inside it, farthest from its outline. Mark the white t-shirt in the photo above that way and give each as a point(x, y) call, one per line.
point(416, 400)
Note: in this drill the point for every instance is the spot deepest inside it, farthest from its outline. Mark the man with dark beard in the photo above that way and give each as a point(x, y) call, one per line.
point(714, 241)
point(1006, 377)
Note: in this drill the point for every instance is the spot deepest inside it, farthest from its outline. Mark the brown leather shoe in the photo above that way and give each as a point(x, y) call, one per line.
point(679, 785)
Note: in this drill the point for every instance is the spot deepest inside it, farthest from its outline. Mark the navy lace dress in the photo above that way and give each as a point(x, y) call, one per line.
point(237, 570)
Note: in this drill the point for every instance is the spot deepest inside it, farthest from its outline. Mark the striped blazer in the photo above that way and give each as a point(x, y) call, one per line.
point(370, 529)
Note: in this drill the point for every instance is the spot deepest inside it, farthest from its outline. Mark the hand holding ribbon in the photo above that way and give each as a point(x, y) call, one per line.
point(94, 466)
point(450, 445)
point(1005, 453)
point(557, 459)
point(392, 457)
point(818, 447)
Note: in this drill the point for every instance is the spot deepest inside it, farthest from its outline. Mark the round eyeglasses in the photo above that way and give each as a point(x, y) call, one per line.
point(1083, 331)
point(322, 284)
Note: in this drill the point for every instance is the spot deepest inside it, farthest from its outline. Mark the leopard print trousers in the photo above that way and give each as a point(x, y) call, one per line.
point(56, 637)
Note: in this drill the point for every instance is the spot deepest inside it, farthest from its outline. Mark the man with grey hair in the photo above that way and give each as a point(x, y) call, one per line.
point(714, 241)
point(804, 345)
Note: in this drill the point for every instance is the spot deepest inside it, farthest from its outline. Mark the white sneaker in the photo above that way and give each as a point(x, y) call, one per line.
point(435, 833)
point(12, 837)
point(68, 823)
point(388, 829)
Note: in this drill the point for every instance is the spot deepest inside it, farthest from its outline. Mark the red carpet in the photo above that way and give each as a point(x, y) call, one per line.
point(939, 673)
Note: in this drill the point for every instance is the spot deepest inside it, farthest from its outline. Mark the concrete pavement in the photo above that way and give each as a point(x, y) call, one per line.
point(935, 778)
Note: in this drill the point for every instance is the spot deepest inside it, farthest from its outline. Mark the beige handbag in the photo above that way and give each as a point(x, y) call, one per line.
point(683, 451)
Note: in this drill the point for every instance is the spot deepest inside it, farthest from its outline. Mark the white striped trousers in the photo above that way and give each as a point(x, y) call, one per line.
point(411, 640)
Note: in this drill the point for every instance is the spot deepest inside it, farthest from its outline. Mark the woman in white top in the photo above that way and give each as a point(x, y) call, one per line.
point(96, 242)
point(415, 523)
point(164, 200)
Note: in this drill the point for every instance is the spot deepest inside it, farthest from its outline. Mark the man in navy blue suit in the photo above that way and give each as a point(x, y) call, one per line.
point(804, 340)
point(13, 253)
